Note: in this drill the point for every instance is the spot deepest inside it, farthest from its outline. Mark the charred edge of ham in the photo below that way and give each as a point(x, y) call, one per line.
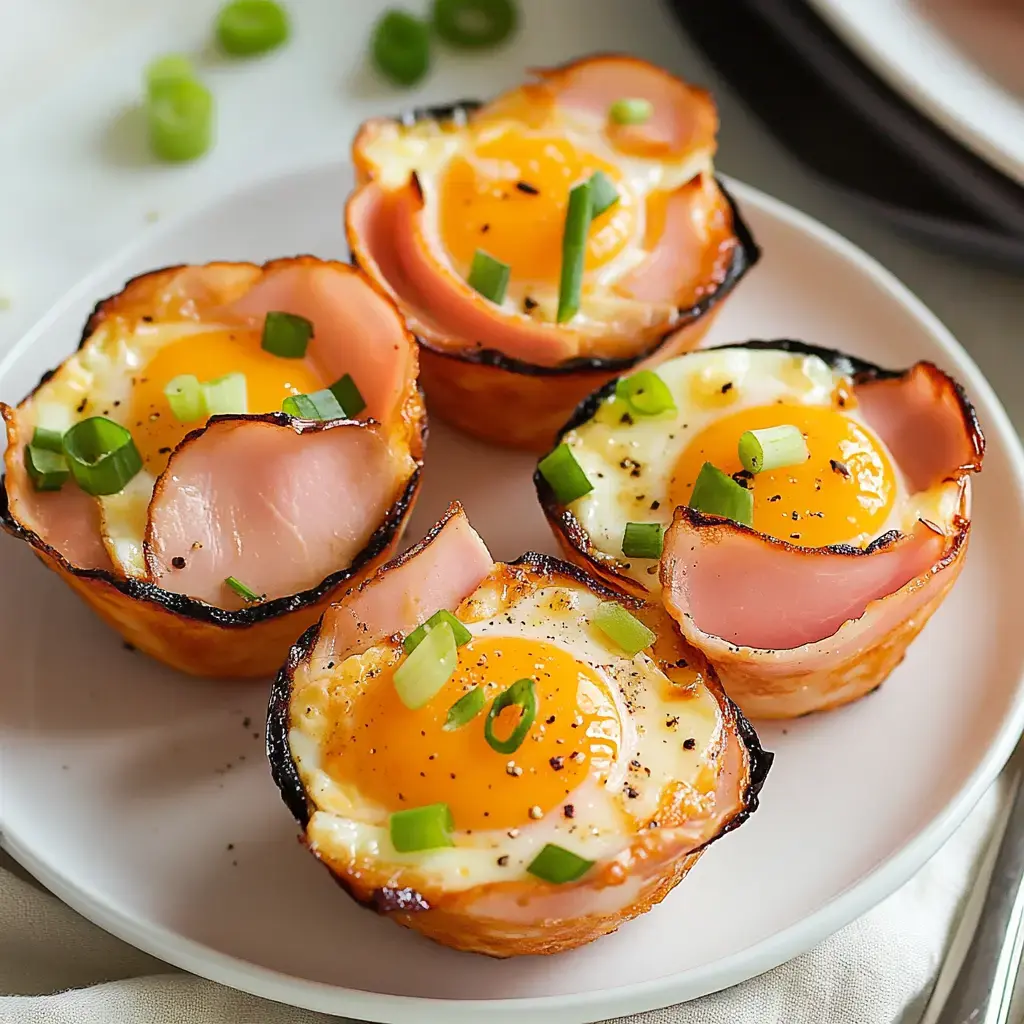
point(250, 615)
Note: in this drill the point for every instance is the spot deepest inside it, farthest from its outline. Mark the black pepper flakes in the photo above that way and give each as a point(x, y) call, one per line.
point(550, 720)
point(502, 860)
point(530, 190)
point(671, 723)
point(82, 404)
point(557, 763)
point(569, 811)
point(794, 536)
point(655, 505)
point(630, 791)
point(775, 497)
point(529, 305)
point(727, 387)
point(840, 467)
point(689, 744)
point(178, 562)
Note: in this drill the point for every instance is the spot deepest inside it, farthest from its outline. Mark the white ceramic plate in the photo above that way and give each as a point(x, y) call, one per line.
point(958, 61)
point(142, 797)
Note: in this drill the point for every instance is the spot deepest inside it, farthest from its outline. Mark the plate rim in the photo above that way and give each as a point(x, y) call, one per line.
point(574, 1008)
point(883, 47)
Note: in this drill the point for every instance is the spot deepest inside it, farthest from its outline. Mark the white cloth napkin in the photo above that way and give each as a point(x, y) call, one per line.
point(57, 968)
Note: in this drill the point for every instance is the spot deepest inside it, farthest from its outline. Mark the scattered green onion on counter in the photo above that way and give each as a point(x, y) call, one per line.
point(168, 70)
point(489, 276)
point(564, 474)
point(465, 709)
point(348, 396)
point(772, 448)
point(244, 592)
point(400, 45)
point(425, 671)
point(523, 694)
point(643, 540)
point(179, 114)
point(245, 28)
point(416, 637)
point(320, 405)
point(631, 110)
point(645, 393)
point(422, 828)
point(626, 630)
point(101, 455)
point(578, 216)
point(474, 24)
point(558, 865)
point(50, 440)
point(47, 470)
point(717, 494)
point(603, 193)
point(286, 335)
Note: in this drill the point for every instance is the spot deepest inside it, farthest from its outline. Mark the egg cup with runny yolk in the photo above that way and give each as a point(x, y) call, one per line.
point(496, 824)
point(462, 215)
point(852, 539)
point(232, 514)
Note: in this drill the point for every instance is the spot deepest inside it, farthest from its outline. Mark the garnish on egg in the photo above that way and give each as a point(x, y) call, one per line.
point(631, 110)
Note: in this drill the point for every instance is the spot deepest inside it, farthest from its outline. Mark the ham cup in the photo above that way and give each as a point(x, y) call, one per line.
point(800, 512)
point(509, 759)
point(568, 231)
point(229, 447)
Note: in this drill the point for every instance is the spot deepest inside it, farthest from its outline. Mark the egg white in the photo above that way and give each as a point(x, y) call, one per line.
point(427, 148)
point(347, 827)
point(631, 464)
point(97, 381)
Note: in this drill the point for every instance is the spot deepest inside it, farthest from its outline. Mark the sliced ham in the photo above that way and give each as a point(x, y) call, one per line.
point(358, 331)
point(683, 118)
point(792, 630)
point(393, 237)
point(439, 572)
point(278, 506)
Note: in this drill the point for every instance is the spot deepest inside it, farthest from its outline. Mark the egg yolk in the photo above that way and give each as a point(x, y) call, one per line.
point(509, 198)
point(269, 381)
point(841, 494)
point(402, 758)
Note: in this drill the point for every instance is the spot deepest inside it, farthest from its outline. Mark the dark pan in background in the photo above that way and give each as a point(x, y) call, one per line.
point(844, 123)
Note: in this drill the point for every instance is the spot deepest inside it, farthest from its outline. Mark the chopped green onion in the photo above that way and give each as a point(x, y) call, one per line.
point(465, 709)
point(180, 118)
point(286, 335)
point(559, 865)
point(772, 448)
point(168, 70)
point(186, 398)
point(320, 405)
point(425, 671)
point(248, 27)
point(459, 631)
point(46, 469)
point(564, 474)
point(244, 592)
point(474, 24)
point(227, 394)
point(522, 693)
point(578, 216)
point(626, 630)
point(101, 454)
point(603, 193)
point(631, 111)
point(422, 828)
point(645, 393)
point(348, 396)
point(717, 494)
point(50, 440)
point(643, 540)
point(401, 47)
point(489, 276)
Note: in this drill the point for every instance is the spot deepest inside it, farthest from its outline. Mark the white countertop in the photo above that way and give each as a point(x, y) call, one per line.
point(77, 182)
